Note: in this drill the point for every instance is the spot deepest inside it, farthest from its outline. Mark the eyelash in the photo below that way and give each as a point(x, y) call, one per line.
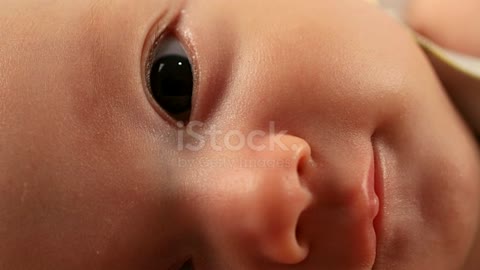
point(152, 46)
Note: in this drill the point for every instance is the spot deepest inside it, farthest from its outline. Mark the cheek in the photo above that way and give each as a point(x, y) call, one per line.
point(63, 211)
point(312, 76)
point(431, 174)
point(85, 173)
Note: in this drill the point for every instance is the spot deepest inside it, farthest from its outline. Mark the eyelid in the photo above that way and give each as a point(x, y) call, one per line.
point(165, 22)
point(152, 45)
point(170, 45)
point(168, 25)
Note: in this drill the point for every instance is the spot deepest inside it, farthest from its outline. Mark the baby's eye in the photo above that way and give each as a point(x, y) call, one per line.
point(171, 79)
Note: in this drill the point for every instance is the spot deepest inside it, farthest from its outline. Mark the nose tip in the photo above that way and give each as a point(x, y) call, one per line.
point(279, 199)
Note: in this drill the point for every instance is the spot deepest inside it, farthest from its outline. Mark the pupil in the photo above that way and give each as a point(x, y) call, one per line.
point(171, 82)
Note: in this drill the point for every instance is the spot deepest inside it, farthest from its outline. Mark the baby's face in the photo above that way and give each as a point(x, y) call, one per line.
point(319, 138)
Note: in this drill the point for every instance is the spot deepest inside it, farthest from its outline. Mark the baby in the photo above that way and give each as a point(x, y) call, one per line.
point(239, 134)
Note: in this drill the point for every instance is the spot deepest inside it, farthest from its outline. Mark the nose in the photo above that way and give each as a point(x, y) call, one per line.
point(264, 212)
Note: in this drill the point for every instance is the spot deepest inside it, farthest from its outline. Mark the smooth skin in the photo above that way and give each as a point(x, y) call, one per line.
point(453, 25)
point(92, 177)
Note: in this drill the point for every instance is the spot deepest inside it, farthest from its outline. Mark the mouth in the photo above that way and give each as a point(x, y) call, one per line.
point(372, 188)
point(352, 224)
point(376, 176)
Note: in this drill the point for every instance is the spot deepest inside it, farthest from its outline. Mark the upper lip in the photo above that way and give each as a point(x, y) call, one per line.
point(363, 231)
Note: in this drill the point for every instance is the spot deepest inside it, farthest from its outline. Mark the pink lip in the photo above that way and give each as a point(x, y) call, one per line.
point(377, 179)
point(372, 188)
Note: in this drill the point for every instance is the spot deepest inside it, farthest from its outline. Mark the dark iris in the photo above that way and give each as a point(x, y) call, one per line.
point(171, 82)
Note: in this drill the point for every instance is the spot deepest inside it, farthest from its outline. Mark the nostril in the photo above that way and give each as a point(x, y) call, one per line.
point(302, 156)
point(305, 164)
point(305, 167)
point(303, 160)
point(302, 242)
point(301, 166)
point(277, 198)
point(292, 252)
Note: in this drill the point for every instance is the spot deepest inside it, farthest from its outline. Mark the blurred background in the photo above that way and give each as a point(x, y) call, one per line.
point(397, 6)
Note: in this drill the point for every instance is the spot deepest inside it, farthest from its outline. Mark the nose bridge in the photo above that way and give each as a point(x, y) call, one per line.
point(267, 223)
